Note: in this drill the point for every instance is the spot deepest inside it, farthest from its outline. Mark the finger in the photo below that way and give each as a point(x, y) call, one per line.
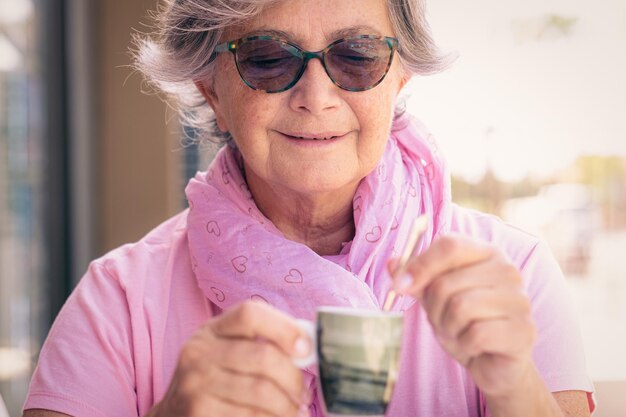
point(507, 337)
point(251, 391)
point(445, 254)
point(203, 368)
point(476, 305)
point(258, 320)
point(263, 359)
point(490, 274)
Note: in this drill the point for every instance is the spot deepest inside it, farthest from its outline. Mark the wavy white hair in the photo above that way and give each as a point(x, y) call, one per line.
point(188, 30)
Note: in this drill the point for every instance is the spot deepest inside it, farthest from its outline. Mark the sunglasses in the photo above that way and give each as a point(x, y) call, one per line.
point(274, 65)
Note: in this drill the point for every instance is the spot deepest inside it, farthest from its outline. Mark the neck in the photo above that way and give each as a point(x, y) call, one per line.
point(321, 221)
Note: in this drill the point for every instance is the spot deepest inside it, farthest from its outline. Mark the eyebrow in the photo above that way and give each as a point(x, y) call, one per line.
point(338, 34)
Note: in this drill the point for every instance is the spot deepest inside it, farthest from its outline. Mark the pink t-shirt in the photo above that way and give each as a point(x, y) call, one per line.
point(113, 348)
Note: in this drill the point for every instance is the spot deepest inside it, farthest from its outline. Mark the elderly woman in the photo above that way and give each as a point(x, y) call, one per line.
point(307, 204)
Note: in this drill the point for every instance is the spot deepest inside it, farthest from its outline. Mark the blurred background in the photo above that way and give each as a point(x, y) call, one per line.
point(531, 118)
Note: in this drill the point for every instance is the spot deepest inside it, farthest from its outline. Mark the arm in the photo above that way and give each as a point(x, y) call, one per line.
point(533, 399)
point(475, 303)
point(573, 403)
point(85, 366)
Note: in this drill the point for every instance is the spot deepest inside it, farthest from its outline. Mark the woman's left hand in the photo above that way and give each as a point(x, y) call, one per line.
point(475, 304)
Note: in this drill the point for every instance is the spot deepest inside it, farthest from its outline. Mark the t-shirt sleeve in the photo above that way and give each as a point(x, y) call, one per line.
point(86, 367)
point(558, 353)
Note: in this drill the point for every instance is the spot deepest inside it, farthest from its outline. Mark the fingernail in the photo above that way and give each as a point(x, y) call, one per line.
point(302, 347)
point(404, 282)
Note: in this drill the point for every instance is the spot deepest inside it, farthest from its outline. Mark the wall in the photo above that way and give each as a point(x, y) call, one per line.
point(136, 152)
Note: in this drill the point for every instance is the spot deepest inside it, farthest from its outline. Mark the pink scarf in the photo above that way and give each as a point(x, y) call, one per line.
point(239, 255)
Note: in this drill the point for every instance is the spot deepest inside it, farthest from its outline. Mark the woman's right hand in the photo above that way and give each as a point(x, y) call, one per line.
point(240, 364)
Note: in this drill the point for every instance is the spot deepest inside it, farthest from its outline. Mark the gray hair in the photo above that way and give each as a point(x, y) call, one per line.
point(187, 31)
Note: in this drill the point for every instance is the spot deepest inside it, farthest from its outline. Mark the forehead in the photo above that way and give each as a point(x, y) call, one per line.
point(317, 22)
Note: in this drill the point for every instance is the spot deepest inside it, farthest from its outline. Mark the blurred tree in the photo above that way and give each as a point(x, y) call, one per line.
point(607, 176)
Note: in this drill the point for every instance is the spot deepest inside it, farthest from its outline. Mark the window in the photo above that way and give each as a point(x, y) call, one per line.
point(531, 120)
point(21, 185)
point(35, 239)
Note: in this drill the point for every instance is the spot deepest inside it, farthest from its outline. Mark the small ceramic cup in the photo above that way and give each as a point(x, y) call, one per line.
point(358, 355)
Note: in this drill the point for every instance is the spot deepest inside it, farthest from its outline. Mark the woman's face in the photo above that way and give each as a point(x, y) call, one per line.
point(266, 127)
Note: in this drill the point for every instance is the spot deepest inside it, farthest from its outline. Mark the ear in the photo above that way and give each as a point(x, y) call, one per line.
point(406, 77)
point(208, 92)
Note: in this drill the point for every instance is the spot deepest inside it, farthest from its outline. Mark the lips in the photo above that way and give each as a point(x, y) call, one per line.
point(315, 136)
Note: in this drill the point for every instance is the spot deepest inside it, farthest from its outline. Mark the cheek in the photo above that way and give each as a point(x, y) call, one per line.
point(251, 115)
point(247, 112)
point(375, 119)
point(238, 104)
point(387, 102)
point(376, 114)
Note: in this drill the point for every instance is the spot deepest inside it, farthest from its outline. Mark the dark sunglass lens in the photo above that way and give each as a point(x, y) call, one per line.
point(358, 64)
point(267, 64)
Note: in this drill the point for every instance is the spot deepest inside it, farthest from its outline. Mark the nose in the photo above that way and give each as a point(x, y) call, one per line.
point(314, 92)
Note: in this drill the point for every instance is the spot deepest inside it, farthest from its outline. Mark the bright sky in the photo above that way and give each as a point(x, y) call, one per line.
point(538, 90)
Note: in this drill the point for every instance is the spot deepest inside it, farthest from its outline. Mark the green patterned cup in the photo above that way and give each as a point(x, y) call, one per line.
point(358, 354)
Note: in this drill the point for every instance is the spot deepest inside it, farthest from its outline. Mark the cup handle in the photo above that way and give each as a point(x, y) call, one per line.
point(309, 328)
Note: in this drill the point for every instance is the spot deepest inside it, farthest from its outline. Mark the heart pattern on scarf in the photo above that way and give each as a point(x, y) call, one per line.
point(213, 228)
point(294, 277)
point(395, 223)
point(219, 294)
point(257, 297)
point(239, 263)
point(374, 235)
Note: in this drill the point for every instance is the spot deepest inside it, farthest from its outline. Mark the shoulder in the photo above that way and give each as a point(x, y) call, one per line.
point(120, 332)
point(516, 243)
point(134, 264)
point(139, 276)
point(133, 275)
point(529, 253)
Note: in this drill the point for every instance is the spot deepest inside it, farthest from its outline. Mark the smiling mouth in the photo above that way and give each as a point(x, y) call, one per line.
point(303, 138)
point(314, 138)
